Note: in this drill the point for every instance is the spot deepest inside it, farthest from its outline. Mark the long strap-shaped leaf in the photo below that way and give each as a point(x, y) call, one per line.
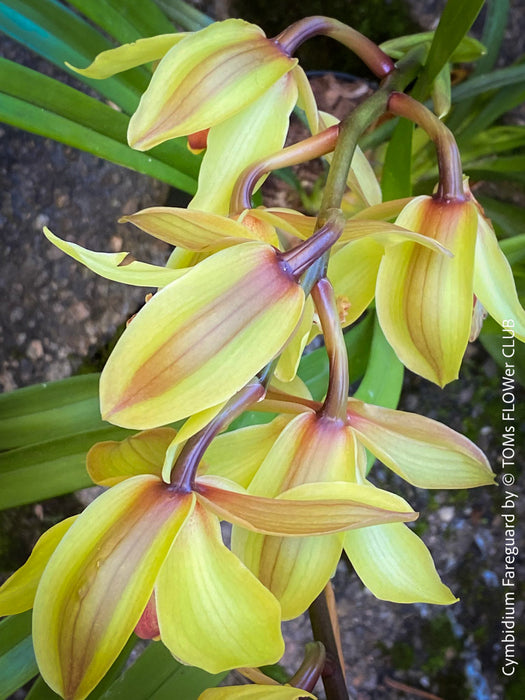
point(17, 659)
point(59, 35)
point(126, 20)
point(45, 106)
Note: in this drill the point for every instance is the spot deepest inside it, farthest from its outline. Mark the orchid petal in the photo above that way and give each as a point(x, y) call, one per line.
point(395, 565)
point(196, 344)
point(128, 56)
point(206, 78)
point(119, 267)
point(422, 451)
point(306, 99)
point(238, 454)
point(255, 692)
point(256, 132)
point(352, 270)
point(296, 570)
point(213, 613)
point(387, 234)
point(423, 298)
point(494, 283)
point(18, 592)
point(310, 509)
point(99, 580)
point(192, 230)
point(288, 220)
point(286, 369)
point(110, 462)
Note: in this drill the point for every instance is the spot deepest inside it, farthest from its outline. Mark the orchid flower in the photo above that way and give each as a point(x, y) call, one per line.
point(90, 580)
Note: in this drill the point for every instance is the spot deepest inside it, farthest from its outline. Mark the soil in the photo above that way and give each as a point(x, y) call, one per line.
point(58, 314)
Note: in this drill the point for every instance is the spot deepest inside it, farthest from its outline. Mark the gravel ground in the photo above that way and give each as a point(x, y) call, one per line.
point(58, 313)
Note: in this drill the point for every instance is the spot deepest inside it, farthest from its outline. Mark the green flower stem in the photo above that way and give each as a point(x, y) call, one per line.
point(309, 671)
point(333, 676)
point(297, 33)
point(334, 405)
point(185, 468)
point(450, 186)
point(308, 149)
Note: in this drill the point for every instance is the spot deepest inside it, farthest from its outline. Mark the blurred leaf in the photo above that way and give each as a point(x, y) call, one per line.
point(108, 18)
point(456, 19)
point(44, 106)
point(491, 339)
point(469, 49)
point(493, 33)
point(58, 34)
point(508, 218)
point(512, 75)
point(145, 15)
point(155, 675)
point(440, 92)
point(514, 248)
point(492, 141)
point(57, 409)
point(397, 168)
point(503, 168)
point(189, 17)
point(48, 469)
point(17, 659)
point(383, 378)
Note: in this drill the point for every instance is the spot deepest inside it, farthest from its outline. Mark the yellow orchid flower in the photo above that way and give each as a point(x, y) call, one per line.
point(149, 553)
point(425, 301)
point(389, 558)
point(207, 77)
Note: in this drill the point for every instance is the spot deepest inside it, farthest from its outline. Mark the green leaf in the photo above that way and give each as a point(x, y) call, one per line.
point(17, 659)
point(491, 141)
point(383, 380)
point(157, 676)
point(469, 49)
point(397, 169)
point(508, 218)
point(184, 14)
point(51, 468)
point(501, 102)
point(493, 33)
point(57, 409)
point(514, 248)
point(456, 19)
point(512, 75)
point(59, 35)
point(87, 115)
point(504, 168)
point(26, 116)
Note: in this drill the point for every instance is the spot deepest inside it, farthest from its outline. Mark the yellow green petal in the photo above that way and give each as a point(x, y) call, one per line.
point(296, 570)
point(255, 692)
point(196, 344)
point(309, 509)
point(422, 451)
point(213, 613)
point(128, 56)
point(18, 592)
point(246, 137)
point(99, 580)
point(119, 267)
point(352, 270)
point(395, 565)
point(494, 283)
point(424, 299)
point(286, 369)
point(197, 231)
point(110, 462)
point(206, 78)
point(238, 454)
point(306, 99)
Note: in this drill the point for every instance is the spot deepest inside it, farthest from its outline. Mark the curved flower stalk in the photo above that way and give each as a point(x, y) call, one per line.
point(90, 582)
